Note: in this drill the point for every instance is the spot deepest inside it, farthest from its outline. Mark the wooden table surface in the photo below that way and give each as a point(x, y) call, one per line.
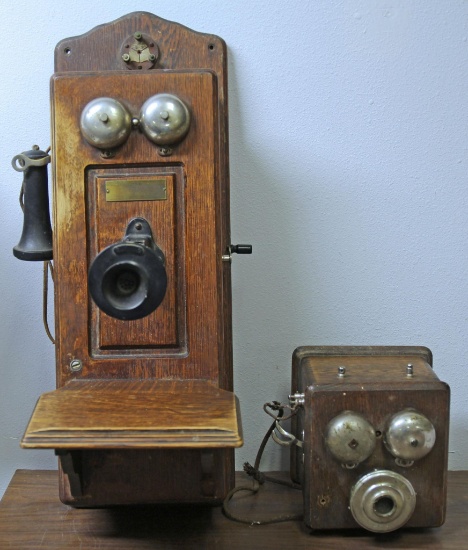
point(31, 516)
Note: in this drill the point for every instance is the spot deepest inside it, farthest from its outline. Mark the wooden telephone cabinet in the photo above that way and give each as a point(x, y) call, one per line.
point(144, 411)
point(374, 425)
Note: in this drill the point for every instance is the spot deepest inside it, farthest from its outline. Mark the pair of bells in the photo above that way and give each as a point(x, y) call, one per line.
point(106, 123)
point(351, 438)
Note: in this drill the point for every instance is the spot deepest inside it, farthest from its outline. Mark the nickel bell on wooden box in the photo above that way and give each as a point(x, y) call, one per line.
point(144, 410)
point(373, 423)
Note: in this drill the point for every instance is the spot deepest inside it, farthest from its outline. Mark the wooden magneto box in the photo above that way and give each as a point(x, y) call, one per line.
point(374, 422)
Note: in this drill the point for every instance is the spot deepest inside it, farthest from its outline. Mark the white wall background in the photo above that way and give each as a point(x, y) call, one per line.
point(348, 126)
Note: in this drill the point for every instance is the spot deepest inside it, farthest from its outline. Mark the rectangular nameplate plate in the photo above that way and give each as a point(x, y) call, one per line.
point(136, 190)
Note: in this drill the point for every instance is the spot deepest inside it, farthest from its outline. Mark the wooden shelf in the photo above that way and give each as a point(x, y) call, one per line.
point(149, 414)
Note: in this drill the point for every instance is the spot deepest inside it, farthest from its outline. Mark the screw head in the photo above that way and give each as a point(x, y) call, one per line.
point(165, 151)
point(126, 57)
point(138, 35)
point(76, 365)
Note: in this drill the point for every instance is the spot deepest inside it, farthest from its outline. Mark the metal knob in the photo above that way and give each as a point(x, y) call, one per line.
point(105, 123)
point(164, 119)
point(236, 249)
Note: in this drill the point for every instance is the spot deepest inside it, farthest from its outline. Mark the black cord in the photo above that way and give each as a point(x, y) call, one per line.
point(48, 266)
point(259, 478)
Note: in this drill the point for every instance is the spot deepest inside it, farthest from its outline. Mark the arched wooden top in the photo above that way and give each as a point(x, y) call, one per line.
point(179, 47)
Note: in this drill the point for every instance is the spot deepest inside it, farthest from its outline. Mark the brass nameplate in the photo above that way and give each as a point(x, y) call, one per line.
point(136, 190)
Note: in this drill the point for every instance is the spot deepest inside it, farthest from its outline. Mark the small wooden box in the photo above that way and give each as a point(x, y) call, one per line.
point(374, 384)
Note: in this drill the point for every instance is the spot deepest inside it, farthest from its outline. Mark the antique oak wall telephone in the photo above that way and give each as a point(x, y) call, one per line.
point(144, 411)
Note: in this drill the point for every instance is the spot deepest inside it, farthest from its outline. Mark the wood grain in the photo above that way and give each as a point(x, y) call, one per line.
point(180, 48)
point(164, 330)
point(377, 359)
point(142, 414)
point(375, 386)
point(31, 517)
point(190, 336)
point(198, 260)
